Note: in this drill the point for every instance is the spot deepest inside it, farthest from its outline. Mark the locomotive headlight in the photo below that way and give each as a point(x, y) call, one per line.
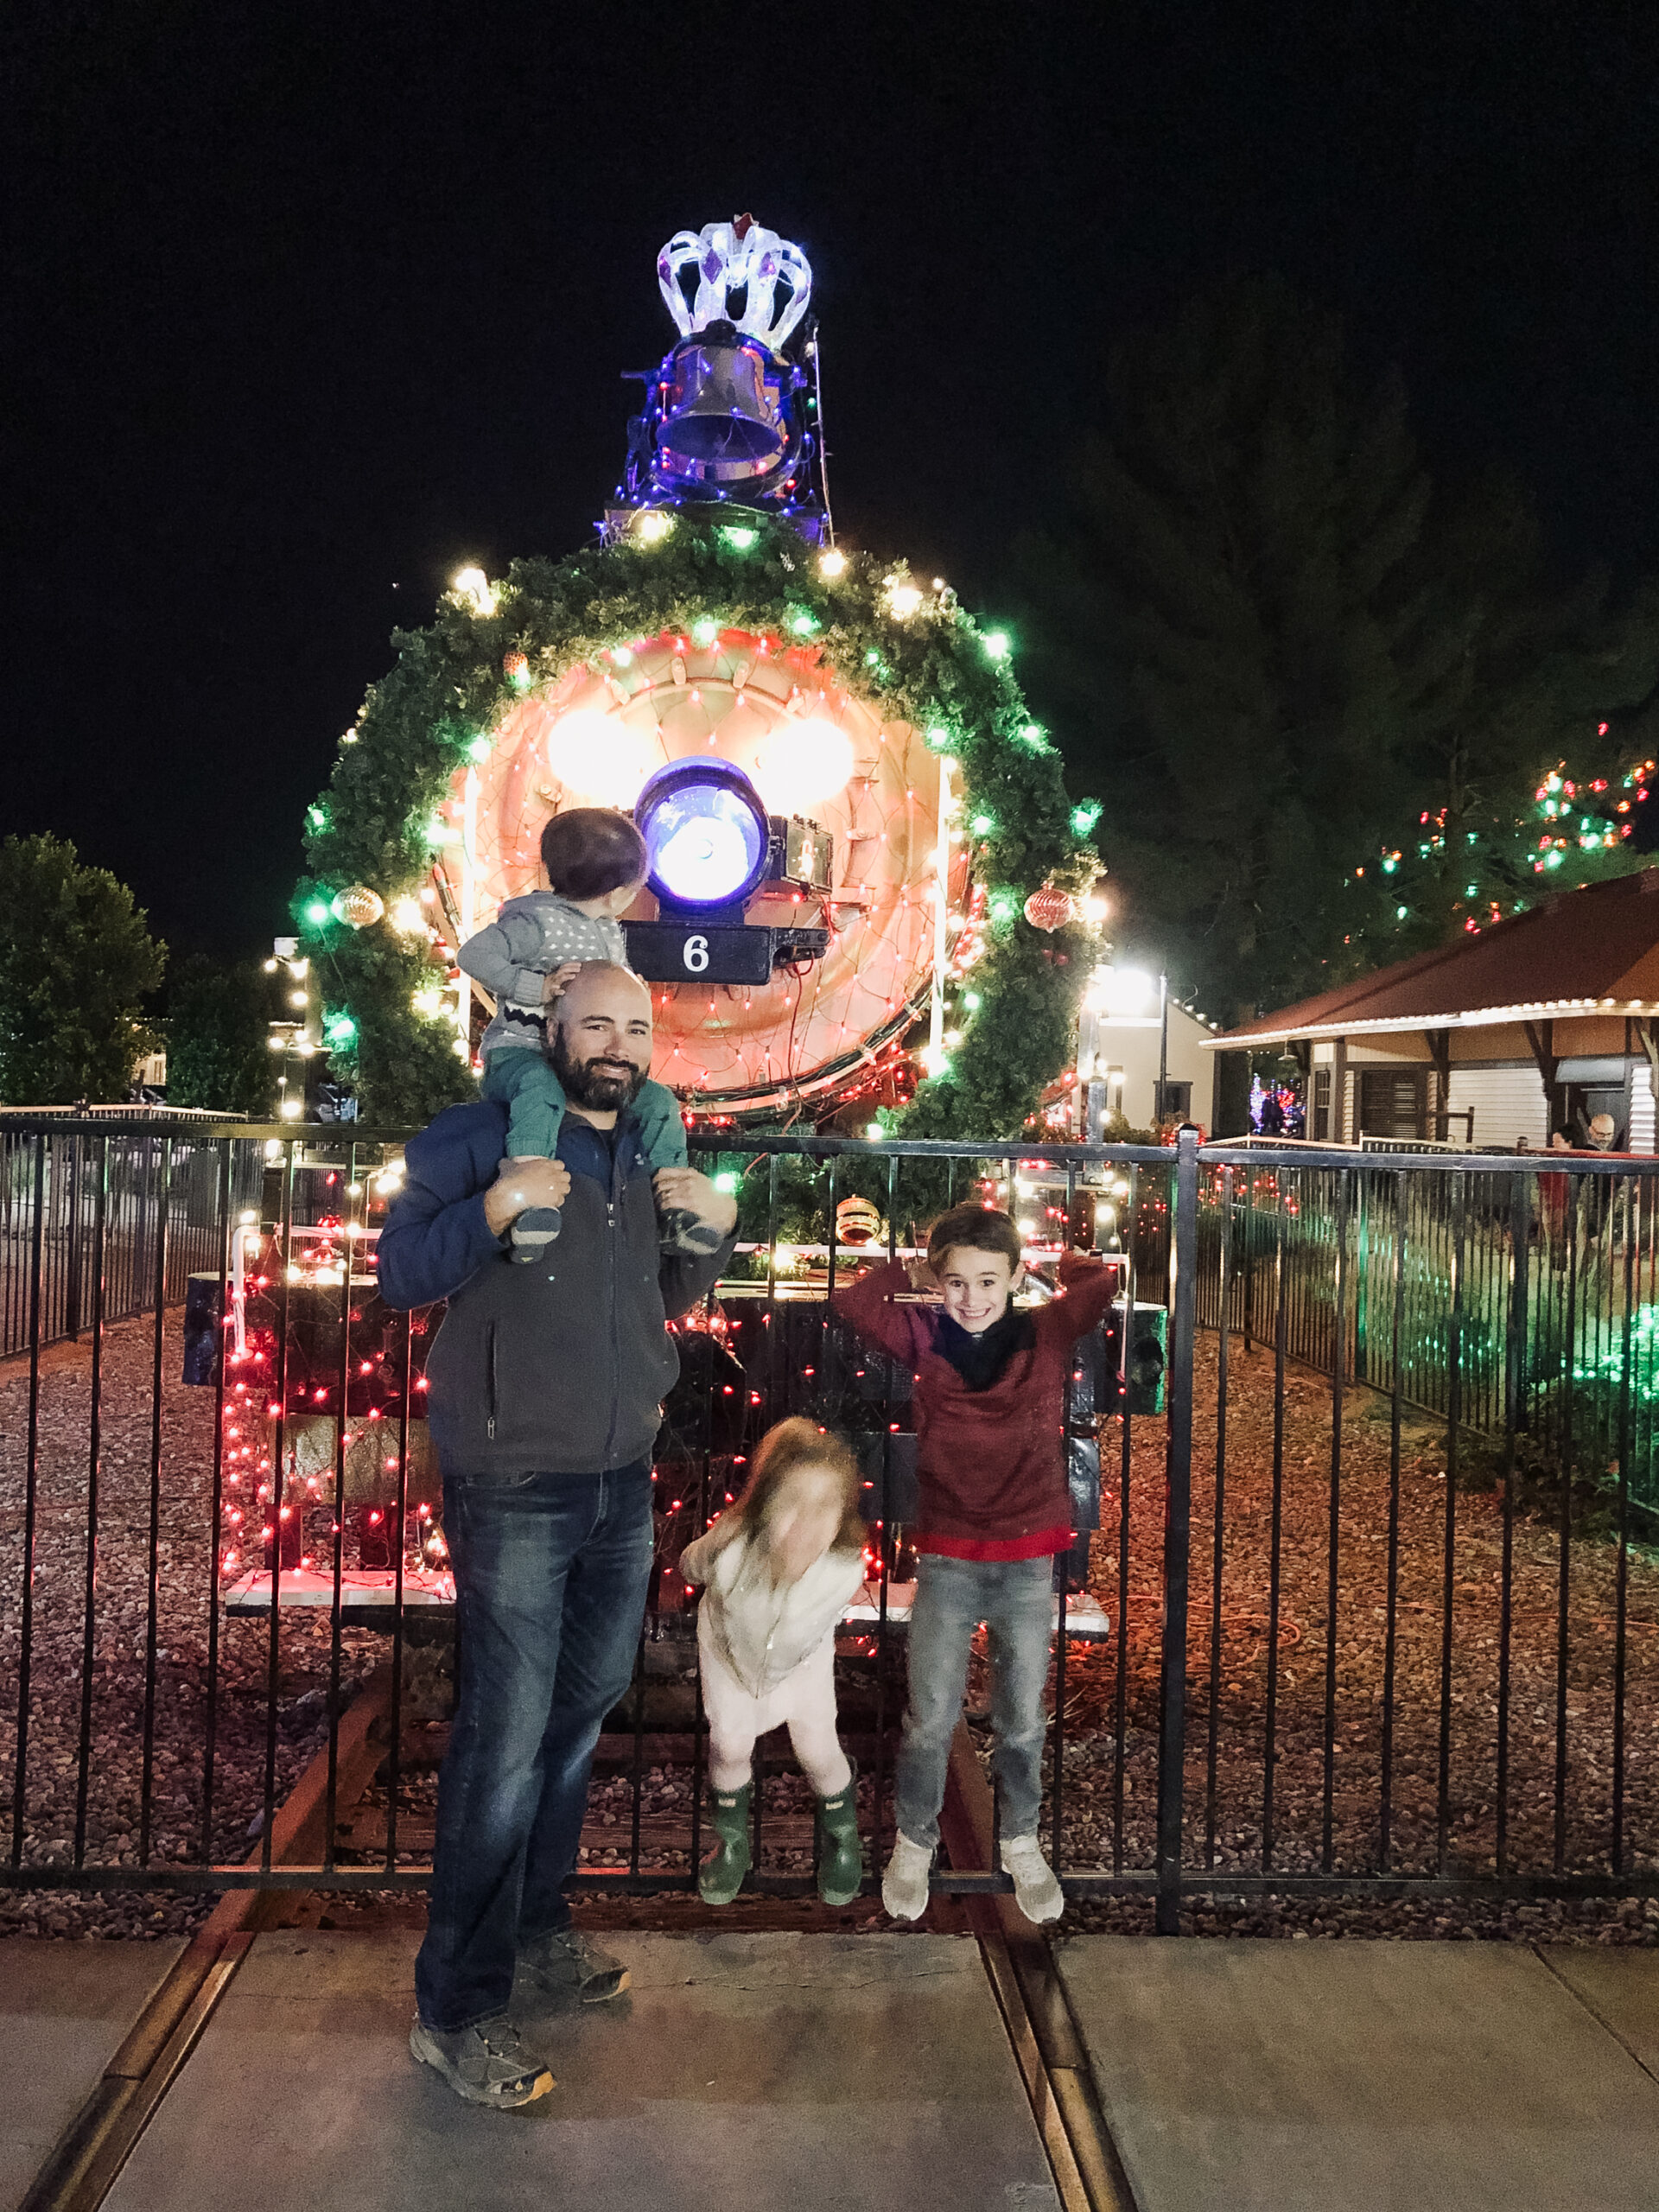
point(706, 833)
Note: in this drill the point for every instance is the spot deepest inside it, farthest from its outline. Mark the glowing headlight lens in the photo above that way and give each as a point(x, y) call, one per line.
point(705, 832)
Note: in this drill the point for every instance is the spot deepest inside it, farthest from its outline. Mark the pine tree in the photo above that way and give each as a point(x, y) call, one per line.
point(76, 962)
point(219, 1039)
point(1241, 654)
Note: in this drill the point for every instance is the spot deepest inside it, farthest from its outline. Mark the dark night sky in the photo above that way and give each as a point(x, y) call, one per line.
point(306, 304)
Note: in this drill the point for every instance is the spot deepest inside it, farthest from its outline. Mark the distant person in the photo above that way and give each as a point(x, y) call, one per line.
point(594, 861)
point(547, 1385)
point(780, 1567)
point(994, 1508)
point(1273, 1114)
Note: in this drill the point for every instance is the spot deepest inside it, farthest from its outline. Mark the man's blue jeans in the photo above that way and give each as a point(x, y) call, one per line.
point(551, 1579)
point(1014, 1598)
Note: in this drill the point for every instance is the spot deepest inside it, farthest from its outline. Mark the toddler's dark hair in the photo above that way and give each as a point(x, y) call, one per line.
point(588, 850)
point(981, 1229)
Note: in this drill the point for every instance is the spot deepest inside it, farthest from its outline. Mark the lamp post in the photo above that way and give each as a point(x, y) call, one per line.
point(1163, 1044)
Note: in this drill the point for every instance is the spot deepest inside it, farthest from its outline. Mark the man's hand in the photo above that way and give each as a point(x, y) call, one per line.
point(522, 1184)
point(684, 1187)
point(553, 985)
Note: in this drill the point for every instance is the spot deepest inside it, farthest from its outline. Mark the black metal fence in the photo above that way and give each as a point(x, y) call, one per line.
point(81, 1203)
point(1334, 1631)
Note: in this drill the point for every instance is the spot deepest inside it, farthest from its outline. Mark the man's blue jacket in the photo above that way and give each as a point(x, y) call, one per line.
point(556, 1368)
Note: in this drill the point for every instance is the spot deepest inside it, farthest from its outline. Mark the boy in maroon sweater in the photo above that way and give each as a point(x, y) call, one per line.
point(989, 1402)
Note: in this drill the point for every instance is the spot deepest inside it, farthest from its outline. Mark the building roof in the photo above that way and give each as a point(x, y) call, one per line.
point(1590, 951)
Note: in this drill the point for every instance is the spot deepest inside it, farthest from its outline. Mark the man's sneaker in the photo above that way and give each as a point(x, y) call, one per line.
point(904, 1886)
point(486, 2064)
point(564, 1964)
point(1036, 1891)
point(681, 1231)
point(533, 1231)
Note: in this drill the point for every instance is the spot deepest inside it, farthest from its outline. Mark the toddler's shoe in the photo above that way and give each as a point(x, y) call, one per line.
point(721, 1875)
point(841, 1856)
point(681, 1231)
point(904, 1886)
point(533, 1232)
point(1036, 1891)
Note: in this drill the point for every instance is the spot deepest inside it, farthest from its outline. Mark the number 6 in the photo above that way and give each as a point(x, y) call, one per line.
point(695, 954)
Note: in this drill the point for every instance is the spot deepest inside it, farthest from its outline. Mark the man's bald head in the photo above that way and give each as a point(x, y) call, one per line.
point(602, 981)
point(600, 1045)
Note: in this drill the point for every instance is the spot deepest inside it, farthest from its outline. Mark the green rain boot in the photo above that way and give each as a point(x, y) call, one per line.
point(841, 1856)
point(721, 1875)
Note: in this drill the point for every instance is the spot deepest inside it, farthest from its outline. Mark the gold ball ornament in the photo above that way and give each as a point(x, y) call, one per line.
point(1050, 908)
point(858, 1221)
point(359, 906)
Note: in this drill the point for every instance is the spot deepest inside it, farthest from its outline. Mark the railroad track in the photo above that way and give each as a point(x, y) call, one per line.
point(1030, 1995)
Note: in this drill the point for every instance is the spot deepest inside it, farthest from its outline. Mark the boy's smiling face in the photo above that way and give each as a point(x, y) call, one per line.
point(977, 1286)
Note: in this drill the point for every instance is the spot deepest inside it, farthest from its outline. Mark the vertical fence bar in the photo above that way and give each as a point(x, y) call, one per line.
point(1391, 1601)
point(278, 1453)
point(1333, 1551)
point(216, 1504)
point(1458, 1194)
point(31, 1486)
point(1120, 1696)
point(94, 1469)
point(1275, 1542)
point(152, 1560)
point(1067, 1416)
point(1218, 1550)
point(1178, 1515)
point(1564, 1583)
point(337, 1519)
point(394, 1762)
point(1514, 1362)
point(1622, 1568)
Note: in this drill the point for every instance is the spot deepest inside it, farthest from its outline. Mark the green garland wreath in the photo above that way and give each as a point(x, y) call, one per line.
point(936, 669)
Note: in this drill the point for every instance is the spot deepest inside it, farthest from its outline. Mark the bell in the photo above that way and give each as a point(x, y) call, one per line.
point(718, 407)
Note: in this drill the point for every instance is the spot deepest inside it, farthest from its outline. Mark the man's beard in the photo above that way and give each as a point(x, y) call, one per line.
point(601, 1084)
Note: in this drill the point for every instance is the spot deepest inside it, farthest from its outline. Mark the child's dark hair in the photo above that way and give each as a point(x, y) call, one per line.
point(800, 1443)
point(588, 850)
point(981, 1229)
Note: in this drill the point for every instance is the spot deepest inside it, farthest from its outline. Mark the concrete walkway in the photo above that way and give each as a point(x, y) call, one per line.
point(740, 2073)
point(1373, 2077)
point(64, 2010)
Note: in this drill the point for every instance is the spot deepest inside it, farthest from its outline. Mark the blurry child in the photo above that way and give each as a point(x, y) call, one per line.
point(780, 1566)
point(595, 861)
point(989, 1404)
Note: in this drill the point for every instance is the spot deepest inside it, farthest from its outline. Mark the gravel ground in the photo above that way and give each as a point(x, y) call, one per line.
point(1091, 1763)
point(1361, 1626)
point(185, 1554)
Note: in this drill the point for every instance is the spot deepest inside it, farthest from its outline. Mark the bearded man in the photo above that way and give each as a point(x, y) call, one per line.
point(546, 1384)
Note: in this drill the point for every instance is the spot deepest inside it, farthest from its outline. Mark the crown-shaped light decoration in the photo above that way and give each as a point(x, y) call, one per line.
point(731, 413)
point(733, 260)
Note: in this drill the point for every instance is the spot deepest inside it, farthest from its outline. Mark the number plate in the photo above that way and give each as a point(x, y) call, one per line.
point(681, 952)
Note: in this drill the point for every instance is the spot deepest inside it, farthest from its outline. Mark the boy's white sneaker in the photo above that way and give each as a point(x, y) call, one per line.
point(904, 1886)
point(1036, 1891)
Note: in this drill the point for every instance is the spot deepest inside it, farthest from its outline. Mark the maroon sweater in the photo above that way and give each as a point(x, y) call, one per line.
point(991, 1464)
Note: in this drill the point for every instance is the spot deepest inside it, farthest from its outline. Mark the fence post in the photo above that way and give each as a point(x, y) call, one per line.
point(1178, 1518)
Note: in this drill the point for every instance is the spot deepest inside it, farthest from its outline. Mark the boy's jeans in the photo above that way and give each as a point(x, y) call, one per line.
point(551, 1579)
point(1013, 1599)
point(522, 1081)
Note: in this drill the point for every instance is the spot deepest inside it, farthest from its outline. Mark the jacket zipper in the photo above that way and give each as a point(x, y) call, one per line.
point(610, 1264)
point(489, 1425)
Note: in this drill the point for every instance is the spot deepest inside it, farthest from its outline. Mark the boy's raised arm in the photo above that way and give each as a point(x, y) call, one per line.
point(868, 1303)
point(1087, 1289)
